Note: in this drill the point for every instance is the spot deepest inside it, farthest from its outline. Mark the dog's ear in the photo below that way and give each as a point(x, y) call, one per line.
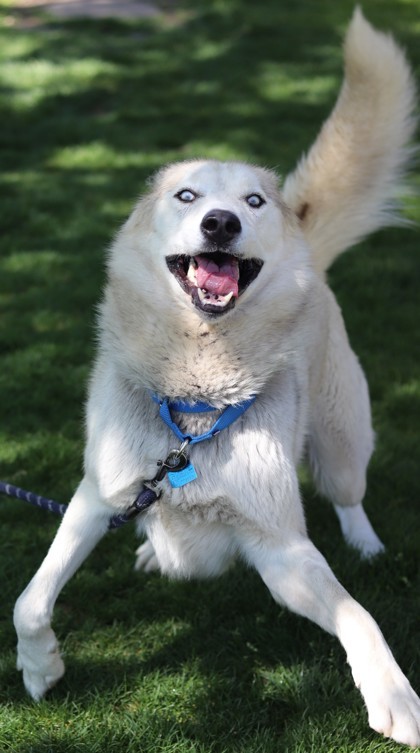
point(142, 214)
point(156, 185)
point(271, 183)
point(346, 186)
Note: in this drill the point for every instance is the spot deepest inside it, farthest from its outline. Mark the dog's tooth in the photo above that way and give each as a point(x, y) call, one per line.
point(227, 297)
point(191, 274)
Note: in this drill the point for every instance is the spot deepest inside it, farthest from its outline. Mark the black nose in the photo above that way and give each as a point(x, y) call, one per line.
point(220, 226)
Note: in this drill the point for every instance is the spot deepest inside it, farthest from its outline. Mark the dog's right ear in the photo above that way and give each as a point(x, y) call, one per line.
point(346, 186)
point(141, 214)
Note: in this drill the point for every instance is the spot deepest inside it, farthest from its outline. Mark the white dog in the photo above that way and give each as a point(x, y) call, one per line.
point(217, 294)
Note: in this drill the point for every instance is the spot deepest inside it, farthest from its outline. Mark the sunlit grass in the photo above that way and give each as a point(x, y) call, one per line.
point(32, 83)
point(97, 155)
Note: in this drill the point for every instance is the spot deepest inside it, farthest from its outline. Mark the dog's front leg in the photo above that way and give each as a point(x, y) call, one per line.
point(299, 577)
point(84, 523)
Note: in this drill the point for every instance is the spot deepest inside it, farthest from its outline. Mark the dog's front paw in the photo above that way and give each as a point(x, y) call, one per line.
point(393, 707)
point(40, 661)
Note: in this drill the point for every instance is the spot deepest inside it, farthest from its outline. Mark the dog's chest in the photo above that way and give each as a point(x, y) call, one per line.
point(242, 472)
point(219, 367)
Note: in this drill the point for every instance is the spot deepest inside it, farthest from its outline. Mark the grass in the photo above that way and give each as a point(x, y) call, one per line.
point(88, 110)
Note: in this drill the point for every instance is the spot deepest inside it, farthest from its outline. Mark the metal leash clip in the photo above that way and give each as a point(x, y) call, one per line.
point(176, 460)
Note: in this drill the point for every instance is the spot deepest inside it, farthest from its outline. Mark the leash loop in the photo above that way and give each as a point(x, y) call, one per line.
point(142, 502)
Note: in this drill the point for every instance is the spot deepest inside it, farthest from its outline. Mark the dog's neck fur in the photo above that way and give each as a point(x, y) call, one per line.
point(186, 357)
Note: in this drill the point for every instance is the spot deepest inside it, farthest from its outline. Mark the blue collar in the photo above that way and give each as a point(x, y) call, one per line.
point(229, 415)
point(181, 406)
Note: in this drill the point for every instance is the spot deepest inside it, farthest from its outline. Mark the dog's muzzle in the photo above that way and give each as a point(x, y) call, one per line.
point(216, 277)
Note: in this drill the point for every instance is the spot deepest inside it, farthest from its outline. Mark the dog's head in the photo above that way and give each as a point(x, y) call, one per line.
point(212, 231)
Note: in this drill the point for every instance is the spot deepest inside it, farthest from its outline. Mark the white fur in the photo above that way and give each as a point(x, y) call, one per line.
point(284, 341)
point(364, 141)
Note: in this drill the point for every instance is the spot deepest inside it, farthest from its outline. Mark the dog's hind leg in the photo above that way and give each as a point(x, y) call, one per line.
point(146, 559)
point(341, 437)
point(84, 523)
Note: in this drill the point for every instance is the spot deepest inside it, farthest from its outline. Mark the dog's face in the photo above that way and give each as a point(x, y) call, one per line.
point(214, 232)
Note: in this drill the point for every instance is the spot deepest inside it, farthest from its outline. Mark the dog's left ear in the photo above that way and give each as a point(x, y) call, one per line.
point(270, 182)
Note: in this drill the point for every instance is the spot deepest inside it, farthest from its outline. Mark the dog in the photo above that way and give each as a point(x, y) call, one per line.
point(216, 294)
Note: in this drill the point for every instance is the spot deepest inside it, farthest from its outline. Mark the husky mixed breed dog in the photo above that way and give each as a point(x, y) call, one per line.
point(216, 293)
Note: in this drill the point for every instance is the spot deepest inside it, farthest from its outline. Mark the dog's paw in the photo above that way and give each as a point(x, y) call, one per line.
point(393, 707)
point(146, 559)
point(40, 662)
point(368, 547)
point(358, 532)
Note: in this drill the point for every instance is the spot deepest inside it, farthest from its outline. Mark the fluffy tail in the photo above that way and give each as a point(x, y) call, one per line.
point(347, 184)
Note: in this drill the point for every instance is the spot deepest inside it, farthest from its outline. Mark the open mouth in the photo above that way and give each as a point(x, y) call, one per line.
point(214, 280)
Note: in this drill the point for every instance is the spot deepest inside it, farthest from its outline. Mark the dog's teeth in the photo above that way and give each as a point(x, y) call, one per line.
point(216, 300)
point(191, 274)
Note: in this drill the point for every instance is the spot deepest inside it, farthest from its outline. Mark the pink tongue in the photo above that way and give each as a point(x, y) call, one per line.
point(217, 280)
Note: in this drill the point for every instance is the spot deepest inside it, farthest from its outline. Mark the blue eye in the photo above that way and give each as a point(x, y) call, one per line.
point(255, 200)
point(186, 195)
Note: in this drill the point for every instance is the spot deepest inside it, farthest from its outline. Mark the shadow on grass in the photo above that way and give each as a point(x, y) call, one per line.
point(217, 664)
point(228, 673)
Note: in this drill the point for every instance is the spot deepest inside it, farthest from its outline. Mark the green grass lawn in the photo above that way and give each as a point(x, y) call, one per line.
point(88, 110)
